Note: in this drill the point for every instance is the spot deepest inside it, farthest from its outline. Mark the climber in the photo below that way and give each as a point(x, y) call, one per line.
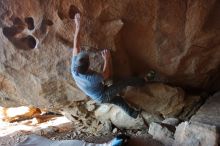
point(91, 82)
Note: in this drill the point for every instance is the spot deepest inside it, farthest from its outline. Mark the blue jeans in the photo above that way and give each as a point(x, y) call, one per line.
point(110, 94)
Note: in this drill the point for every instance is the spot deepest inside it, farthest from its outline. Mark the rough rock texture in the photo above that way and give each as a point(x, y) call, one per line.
point(158, 101)
point(161, 99)
point(18, 113)
point(171, 121)
point(162, 132)
point(179, 39)
point(118, 117)
point(209, 112)
point(203, 128)
point(196, 134)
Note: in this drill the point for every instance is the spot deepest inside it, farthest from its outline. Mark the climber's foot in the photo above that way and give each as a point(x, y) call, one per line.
point(119, 140)
point(153, 76)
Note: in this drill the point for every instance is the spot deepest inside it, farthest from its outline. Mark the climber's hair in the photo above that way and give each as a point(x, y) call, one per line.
point(84, 66)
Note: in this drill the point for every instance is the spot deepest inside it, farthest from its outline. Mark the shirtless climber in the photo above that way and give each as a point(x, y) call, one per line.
point(91, 82)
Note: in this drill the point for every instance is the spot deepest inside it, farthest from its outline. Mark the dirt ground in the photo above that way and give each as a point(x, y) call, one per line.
point(60, 128)
point(140, 140)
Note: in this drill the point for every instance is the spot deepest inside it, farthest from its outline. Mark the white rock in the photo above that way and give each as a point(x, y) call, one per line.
point(196, 134)
point(161, 133)
point(149, 118)
point(109, 112)
point(171, 121)
point(115, 130)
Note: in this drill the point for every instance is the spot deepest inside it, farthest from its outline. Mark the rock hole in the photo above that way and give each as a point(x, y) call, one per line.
point(72, 11)
point(12, 31)
point(30, 41)
point(9, 32)
point(17, 21)
point(30, 22)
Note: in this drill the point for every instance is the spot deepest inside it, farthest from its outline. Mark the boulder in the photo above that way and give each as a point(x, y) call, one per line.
point(196, 134)
point(158, 101)
point(209, 112)
point(162, 132)
point(171, 121)
point(151, 117)
point(114, 114)
point(203, 127)
point(161, 100)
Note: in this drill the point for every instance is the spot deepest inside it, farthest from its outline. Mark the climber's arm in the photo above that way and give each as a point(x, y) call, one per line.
point(76, 47)
point(106, 73)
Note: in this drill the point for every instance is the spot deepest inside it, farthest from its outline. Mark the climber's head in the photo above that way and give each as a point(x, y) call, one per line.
point(82, 62)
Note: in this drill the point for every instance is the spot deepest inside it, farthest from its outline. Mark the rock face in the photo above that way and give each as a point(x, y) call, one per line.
point(161, 99)
point(162, 132)
point(201, 130)
point(180, 39)
point(203, 127)
point(196, 134)
point(118, 117)
point(158, 101)
point(209, 112)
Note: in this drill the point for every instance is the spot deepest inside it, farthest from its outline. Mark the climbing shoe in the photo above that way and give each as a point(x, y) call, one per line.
point(119, 140)
point(153, 76)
